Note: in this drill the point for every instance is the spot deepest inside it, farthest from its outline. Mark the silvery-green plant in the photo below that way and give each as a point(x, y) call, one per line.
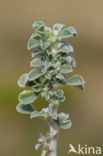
point(52, 62)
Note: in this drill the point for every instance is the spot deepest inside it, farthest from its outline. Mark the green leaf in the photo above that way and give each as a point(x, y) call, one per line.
point(36, 114)
point(62, 43)
point(81, 87)
point(60, 76)
point(63, 117)
point(68, 32)
point(57, 29)
point(72, 31)
point(41, 29)
point(35, 36)
point(66, 69)
point(48, 31)
point(48, 76)
point(66, 125)
point(37, 62)
point(37, 24)
point(43, 94)
point(58, 26)
point(59, 93)
point(54, 116)
point(51, 92)
point(27, 97)
point(37, 89)
point(73, 62)
point(46, 44)
point(44, 139)
point(30, 83)
point(63, 121)
point(75, 80)
point(25, 109)
point(35, 73)
point(45, 112)
point(32, 43)
point(23, 80)
point(64, 46)
point(37, 146)
point(68, 59)
point(36, 52)
point(66, 49)
point(62, 99)
point(47, 97)
point(56, 102)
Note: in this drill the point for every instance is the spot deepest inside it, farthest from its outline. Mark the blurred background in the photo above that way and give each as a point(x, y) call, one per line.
point(19, 134)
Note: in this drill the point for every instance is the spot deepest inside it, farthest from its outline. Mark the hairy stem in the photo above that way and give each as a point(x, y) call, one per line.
point(52, 150)
point(53, 142)
point(54, 131)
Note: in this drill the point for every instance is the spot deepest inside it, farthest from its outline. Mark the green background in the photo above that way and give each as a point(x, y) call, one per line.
point(19, 134)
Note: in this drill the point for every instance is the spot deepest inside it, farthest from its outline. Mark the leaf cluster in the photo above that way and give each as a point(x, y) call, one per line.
point(52, 61)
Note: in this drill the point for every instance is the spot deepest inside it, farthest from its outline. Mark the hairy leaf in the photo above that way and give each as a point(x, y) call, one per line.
point(65, 47)
point(68, 32)
point(81, 87)
point(66, 125)
point(36, 52)
point(46, 45)
point(54, 116)
point(66, 69)
point(25, 109)
point(37, 24)
point(37, 146)
point(60, 76)
point(73, 62)
point(68, 59)
point(59, 93)
point(36, 114)
point(37, 62)
point(48, 31)
point(41, 30)
point(36, 36)
point(63, 117)
point(62, 99)
point(63, 121)
point(32, 43)
point(23, 80)
point(37, 89)
point(45, 112)
point(75, 80)
point(27, 97)
point(58, 26)
point(35, 73)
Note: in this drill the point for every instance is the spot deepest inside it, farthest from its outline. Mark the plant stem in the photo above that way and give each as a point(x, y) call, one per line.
point(54, 131)
point(53, 142)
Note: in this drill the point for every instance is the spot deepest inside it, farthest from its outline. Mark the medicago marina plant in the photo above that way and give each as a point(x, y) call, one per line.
point(52, 62)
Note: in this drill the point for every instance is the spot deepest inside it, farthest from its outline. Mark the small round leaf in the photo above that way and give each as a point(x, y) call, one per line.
point(25, 109)
point(66, 69)
point(27, 97)
point(35, 73)
point(23, 80)
point(68, 32)
point(75, 80)
point(36, 114)
point(37, 24)
point(37, 62)
point(32, 43)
